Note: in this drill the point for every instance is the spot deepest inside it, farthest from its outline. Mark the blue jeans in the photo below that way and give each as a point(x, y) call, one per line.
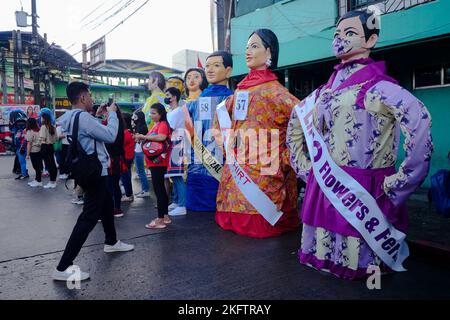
point(126, 179)
point(179, 187)
point(140, 168)
point(174, 195)
point(23, 163)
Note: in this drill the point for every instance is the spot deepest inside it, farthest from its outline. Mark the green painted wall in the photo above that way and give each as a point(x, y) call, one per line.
point(437, 101)
point(305, 29)
point(290, 20)
point(60, 89)
point(101, 95)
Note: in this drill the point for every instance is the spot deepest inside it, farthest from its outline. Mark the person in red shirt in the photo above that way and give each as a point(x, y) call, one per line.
point(129, 145)
point(160, 133)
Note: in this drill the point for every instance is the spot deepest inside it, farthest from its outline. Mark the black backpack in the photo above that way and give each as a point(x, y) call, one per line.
point(85, 169)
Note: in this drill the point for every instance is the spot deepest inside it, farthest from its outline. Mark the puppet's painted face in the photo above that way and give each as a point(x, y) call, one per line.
point(216, 73)
point(194, 81)
point(175, 83)
point(256, 54)
point(350, 39)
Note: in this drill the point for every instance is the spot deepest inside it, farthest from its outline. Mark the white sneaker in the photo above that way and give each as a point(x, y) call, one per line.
point(179, 211)
point(65, 276)
point(143, 194)
point(50, 185)
point(173, 206)
point(63, 177)
point(78, 201)
point(119, 247)
point(127, 199)
point(35, 184)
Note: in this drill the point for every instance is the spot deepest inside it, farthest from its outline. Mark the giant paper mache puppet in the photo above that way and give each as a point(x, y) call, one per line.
point(257, 193)
point(205, 168)
point(354, 217)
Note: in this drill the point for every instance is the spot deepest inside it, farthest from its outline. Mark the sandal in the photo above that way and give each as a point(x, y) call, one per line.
point(154, 225)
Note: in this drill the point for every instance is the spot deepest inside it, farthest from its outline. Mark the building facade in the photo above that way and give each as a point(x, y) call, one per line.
point(414, 42)
point(123, 78)
point(186, 59)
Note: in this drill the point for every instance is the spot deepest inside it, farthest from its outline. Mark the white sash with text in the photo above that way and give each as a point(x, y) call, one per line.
point(349, 198)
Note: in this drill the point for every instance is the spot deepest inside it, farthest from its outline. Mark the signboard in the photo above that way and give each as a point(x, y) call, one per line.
point(62, 103)
point(27, 83)
point(31, 111)
point(29, 99)
point(97, 53)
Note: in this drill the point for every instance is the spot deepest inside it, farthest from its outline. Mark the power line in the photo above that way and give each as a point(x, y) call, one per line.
point(116, 26)
point(71, 46)
point(102, 14)
point(126, 5)
point(123, 21)
point(92, 12)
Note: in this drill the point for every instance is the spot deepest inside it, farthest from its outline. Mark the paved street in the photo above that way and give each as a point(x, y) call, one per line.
point(192, 259)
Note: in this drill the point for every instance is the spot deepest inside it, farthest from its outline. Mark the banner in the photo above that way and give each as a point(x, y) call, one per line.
point(349, 198)
point(5, 110)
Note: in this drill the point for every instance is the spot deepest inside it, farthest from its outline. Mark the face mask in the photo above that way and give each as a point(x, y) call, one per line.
point(167, 100)
point(343, 46)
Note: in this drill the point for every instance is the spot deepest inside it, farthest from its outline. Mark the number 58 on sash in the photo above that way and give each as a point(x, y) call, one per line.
point(205, 108)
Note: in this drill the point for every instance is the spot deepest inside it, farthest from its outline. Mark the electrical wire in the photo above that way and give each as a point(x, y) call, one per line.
point(126, 5)
point(93, 11)
point(116, 26)
point(123, 21)
point(102, 14)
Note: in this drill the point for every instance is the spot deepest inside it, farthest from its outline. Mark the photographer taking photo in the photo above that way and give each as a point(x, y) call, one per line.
point(92, 136)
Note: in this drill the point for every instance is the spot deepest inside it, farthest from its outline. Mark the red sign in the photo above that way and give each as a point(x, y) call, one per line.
point(29, 99)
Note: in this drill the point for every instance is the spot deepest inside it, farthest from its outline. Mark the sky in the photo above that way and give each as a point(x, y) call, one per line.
point(154, 34)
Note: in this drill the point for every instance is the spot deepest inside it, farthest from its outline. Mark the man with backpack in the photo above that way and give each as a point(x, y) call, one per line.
point(88, 152)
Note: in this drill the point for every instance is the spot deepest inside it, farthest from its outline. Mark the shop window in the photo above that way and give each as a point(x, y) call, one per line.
point(358, 4)
point(447, 74)
point(428, 76)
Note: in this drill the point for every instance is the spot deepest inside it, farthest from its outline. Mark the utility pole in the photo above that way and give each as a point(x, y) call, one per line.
point(20, 67)
point(36, 55)
point(3, 75)
point(221, 24)
point(16, 68)
point(84, 65)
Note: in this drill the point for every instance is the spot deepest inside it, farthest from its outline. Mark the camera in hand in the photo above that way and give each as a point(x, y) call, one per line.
point(110, 100)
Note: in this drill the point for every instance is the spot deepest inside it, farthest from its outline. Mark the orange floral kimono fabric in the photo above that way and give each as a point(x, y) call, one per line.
point(270, 107)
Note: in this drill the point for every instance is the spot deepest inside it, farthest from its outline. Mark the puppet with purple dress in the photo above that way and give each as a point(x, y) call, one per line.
point(358, 116)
